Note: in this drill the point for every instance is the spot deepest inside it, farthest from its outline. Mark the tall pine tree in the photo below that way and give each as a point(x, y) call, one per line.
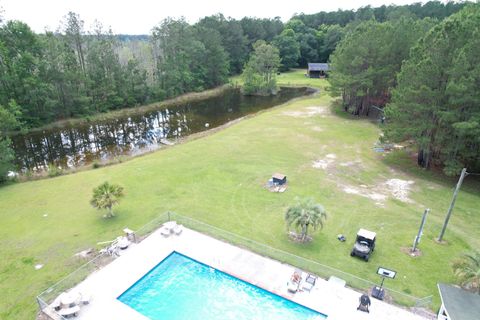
point(437, 100)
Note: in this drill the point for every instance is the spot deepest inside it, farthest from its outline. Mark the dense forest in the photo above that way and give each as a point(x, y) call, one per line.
point(423, 75)
point(436, 101)
point(431, 9)
point(74, 72)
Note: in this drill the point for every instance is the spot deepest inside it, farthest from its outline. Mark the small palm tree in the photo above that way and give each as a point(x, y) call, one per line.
point(303, 214)
point(467, 271)
point(105, 196)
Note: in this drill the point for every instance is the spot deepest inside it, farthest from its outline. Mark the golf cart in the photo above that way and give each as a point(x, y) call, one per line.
point(364, 245)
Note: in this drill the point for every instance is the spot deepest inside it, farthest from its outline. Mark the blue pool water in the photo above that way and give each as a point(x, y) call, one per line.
point(182, 288)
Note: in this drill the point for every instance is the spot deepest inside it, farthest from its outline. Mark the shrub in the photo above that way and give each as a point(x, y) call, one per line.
point(54, 171)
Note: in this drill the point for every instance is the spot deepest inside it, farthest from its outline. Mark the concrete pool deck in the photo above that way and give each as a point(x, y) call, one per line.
point(106, 284)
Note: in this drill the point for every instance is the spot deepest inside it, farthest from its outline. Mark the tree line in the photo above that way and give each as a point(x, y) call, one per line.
point(74, 73)
point(432, 9)
point(60, 75)
point(424, 75)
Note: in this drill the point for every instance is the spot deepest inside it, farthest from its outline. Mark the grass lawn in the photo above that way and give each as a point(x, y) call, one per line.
point(219, 179)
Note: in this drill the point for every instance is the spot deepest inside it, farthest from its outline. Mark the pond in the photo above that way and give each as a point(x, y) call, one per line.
point(81, 144)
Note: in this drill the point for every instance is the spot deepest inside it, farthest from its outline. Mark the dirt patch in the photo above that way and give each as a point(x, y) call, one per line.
point(400, 189)
point(86, 254)
point(366, 193)
point(394, 188)
point(350, 163)
point(308, 112)
point(443, 242)
point(317, 129)
point(325, 162)
point(321, 164)
point(333, 166)
point(351, 167)
point(408, 250)
point(296, 237)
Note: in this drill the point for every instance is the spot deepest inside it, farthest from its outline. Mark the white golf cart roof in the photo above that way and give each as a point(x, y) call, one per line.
point(366, 234)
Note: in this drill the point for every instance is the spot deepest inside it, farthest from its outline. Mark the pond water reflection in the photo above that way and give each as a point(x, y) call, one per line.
point(81, 144)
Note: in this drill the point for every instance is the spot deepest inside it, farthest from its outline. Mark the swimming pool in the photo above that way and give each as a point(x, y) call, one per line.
point(182, 288)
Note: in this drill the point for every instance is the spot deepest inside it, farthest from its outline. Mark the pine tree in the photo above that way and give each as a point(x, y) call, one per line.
point(437, 100)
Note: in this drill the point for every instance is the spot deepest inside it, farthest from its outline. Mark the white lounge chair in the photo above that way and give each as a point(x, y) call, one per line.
point(177, 229)
point(170, 225)
point(123, 243)
point(85, 298)
point(56, 304)
point(71, 311)
point(292, 286)
point(165, 232)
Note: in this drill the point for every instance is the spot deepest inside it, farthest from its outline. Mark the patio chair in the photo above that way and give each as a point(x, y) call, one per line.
point(165, 232)
point(294, 283)
point(85, 298)
point(112, 250)
point(309, 282)
point(123, 243)
point(169, 225)
point(68, 312)
point(177, 229)
point(56, 304)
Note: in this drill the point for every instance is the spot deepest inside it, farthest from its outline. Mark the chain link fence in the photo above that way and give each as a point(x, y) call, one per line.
point(322, 270)
point(46, 298)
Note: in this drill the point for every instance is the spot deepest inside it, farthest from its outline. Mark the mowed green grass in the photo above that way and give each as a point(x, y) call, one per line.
point(219, 179)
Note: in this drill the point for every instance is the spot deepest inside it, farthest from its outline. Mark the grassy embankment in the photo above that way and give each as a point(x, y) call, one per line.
point(219, 179)
point(114, 114)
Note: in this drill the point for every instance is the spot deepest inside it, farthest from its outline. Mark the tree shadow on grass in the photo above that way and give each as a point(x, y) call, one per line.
point(337, 109)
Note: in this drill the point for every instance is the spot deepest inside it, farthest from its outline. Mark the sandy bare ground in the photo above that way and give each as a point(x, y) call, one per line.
point(325, 162)
point(379, 198)
point(308, 112)
point(400, 189)
point(393, 188)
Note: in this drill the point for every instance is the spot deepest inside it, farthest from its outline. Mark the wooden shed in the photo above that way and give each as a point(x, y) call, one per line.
point(279, 179)
point(318, 70)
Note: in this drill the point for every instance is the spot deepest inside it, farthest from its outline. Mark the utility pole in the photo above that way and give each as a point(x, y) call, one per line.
point(420, 231)
point(449, 213)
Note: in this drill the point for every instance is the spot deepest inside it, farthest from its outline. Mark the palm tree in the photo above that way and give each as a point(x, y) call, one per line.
point(105, 196)
point(303, 214)
point(467, 271)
